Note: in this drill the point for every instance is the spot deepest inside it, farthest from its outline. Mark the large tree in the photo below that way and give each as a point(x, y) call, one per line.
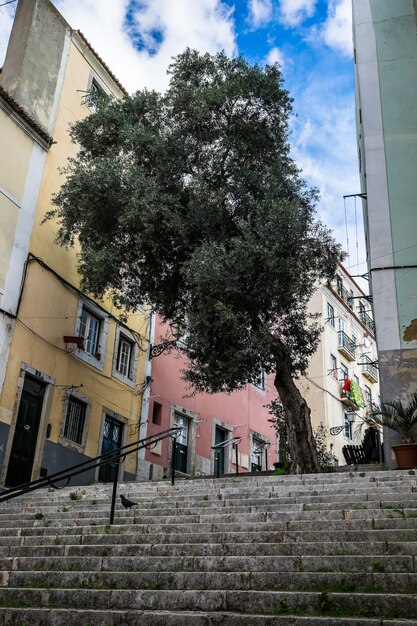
point(191, 202)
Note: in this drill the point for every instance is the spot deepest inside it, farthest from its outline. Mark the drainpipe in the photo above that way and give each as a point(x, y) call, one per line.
point(144, 416)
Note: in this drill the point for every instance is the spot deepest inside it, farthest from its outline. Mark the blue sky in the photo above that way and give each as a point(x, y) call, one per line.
point(311, 39)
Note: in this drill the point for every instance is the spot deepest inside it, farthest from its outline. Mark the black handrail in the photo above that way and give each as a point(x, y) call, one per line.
point(113, 456)
point(224, 444)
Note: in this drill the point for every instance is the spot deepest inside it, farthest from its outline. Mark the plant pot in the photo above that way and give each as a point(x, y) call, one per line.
point(405, 455)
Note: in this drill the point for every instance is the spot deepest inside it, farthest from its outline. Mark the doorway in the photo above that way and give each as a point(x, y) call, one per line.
point(257, 452)
point(112, 439)
point(220, 436)
point(22, 455)
point(181, 454)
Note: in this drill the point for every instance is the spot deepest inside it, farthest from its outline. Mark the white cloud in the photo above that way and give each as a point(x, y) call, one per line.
point(206, 25)
point(324, 146)
point(294, 12)
point(337, 30)
point(260, 12)
point(275, 56)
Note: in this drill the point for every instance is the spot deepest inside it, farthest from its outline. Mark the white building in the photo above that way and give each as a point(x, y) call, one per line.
point(342, 380)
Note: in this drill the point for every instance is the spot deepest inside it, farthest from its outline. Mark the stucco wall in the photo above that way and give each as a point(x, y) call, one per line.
point(386, 52)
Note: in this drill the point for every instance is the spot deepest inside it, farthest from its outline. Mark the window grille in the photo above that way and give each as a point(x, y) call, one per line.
point(75, 419)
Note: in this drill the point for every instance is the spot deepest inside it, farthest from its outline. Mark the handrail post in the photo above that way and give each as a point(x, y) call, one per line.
point(113, 497)
point(173, 453)
point(237, 458)
point(218, 465)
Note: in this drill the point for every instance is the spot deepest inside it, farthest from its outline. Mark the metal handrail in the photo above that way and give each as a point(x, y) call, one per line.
point(113, 456)
point(224, 444)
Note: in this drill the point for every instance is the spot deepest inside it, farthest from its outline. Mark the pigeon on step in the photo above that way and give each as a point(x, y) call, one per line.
point(127, 503)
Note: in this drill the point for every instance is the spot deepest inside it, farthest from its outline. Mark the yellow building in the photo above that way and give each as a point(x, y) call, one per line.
point(63, 398)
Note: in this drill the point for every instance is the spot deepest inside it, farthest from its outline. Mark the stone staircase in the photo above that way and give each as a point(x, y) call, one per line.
point(332, 549)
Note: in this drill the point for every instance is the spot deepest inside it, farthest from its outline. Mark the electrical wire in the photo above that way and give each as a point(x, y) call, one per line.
point(9, 2)
point(356, 233)
point(347, 231)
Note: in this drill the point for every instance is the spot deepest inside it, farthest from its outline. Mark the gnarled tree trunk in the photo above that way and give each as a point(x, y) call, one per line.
point(301, 442)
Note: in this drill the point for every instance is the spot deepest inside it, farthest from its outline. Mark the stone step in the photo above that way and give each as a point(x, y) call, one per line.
point(348, 582)
point(71, 617)
point(82, 511)
point(114, 536)
point(360, 605)
point(216, 549)
point(314, 550)
point(276, 563)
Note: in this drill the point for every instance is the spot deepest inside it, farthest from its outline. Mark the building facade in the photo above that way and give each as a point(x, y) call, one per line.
point(206, 419)
point(342, 380)
point(386, 90)
point(71, 372)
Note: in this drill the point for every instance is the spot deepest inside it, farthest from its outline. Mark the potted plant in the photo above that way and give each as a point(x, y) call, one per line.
point(402, 418)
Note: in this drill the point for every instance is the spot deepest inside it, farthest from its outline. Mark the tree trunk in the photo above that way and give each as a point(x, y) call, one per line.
point(301, 444)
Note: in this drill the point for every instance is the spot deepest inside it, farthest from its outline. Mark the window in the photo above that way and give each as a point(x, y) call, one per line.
point(368, 398)
point(333, 367)
point(344, 370)
point(339, 285)
point(95, 93)
point(354, 339)
point(356, 379)
point(124, 357)
point(93, 325)
point(348, 427)
point(342, 325)
point(157, 413)
point(90, 330)
point(259, 381)
point(330, 315)
point(75, 420)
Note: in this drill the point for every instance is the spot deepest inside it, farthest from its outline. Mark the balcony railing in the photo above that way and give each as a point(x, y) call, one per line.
point(345, 295)
point(346, 346)
point(369, 369)
point(368, 321)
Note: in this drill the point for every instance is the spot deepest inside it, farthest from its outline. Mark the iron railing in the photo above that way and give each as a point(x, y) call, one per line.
point(116, 457)
point(347, 343)
point(369, 368)
point(368, 321)
point(235, 441)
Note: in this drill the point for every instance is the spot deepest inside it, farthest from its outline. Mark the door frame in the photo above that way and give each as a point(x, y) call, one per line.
point(227, 451)
point(43, 419)
point(192, 435)
point(125, 423)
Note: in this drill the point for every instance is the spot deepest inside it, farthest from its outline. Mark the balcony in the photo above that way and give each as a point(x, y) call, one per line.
point(345, 295)
point(346, 346)
point(369, 370)
point(368, 321)
point(346, 399)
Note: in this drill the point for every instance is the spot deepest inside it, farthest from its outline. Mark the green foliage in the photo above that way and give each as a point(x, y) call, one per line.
point(74, 496)
point(190, 201)
point(326, 459)
point(39, 516)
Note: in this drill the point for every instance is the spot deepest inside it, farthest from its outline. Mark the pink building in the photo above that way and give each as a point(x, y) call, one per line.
point(207, 419)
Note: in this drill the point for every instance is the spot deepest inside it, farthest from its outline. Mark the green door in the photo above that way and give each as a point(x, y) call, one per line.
point(219, 453)
point(25, 437)
point(112, 439)
point(181, 453)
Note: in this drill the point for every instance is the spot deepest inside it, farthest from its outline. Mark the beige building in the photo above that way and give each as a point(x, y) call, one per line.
point(342, 380)
point(71, 373)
